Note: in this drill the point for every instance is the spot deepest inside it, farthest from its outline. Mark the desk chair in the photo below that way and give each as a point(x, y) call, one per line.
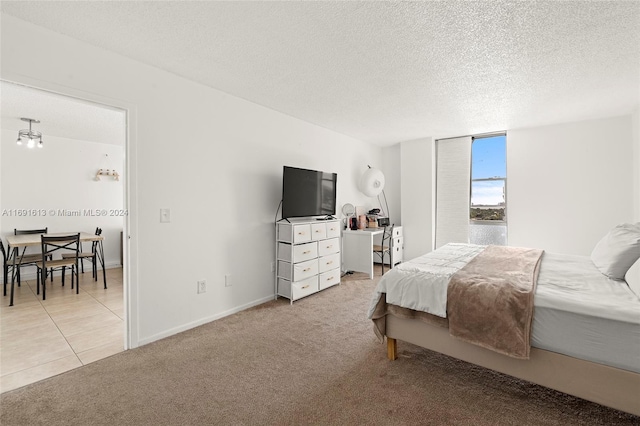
point(385, 246)
point(34, 256)
point(51, 244)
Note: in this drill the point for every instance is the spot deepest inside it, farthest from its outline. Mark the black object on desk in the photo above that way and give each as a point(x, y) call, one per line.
point(383, 221)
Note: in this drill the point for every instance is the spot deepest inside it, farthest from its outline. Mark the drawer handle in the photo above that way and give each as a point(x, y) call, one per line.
point(318, 231)
point(306, 252)
point(306, 270)
point(329, 279)
point(300, 233)
point(305, 286)
point(330, 262)
point(329, 247)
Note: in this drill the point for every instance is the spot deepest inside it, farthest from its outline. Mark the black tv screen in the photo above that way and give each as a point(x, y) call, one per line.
point(308, 192)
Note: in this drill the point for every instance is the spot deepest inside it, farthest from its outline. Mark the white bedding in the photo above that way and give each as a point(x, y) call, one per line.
point(565, 282)
point(421, 283)
point(573, 284)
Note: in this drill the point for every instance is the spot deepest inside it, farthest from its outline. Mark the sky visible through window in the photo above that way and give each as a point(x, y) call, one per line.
point(488, 160)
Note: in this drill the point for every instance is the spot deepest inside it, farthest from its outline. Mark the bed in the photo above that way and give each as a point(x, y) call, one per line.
point(583, 333)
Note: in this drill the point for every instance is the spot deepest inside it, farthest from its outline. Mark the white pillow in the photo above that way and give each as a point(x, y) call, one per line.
point(632, 277)
point(618, 250)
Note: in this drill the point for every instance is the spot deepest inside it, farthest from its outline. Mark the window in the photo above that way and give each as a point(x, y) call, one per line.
point(471, 177)
point(488, 207)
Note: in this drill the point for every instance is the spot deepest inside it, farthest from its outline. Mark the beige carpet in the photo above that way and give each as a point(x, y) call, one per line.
point(316, 362)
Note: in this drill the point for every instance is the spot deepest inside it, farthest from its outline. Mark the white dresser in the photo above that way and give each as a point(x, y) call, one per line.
point(307, 257)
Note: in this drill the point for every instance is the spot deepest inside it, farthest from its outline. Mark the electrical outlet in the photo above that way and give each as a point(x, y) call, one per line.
point(227, 280)
point(202, 286)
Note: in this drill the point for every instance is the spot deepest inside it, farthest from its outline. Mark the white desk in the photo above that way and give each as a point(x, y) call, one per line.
point(357, 249)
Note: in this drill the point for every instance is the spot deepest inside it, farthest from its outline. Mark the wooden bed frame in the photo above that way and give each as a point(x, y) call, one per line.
point(613, 387)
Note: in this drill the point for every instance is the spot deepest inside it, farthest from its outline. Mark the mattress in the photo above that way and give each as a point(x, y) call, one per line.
point(578, 311)
point(600, 340)
point(581, 313)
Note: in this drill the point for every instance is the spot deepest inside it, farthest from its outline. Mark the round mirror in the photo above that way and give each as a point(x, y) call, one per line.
point(348, 210)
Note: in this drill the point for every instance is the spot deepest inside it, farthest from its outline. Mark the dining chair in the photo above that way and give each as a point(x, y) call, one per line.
point(50, 245)
point(385, 246)
point(91, 256)
point(7, 263)
point(34, 256)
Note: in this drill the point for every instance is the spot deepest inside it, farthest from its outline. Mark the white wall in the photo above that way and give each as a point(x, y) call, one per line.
point(417, 196)
point(213, 159)
point(61, 176)
point(391, 168)
point(568, 184)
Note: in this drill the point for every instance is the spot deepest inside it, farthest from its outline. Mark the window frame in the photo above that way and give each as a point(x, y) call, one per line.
point(494, 178)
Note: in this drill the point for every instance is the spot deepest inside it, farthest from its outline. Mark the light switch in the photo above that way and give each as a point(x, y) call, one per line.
point(165, 215)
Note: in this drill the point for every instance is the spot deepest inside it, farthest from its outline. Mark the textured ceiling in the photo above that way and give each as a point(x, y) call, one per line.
point(382, 72)
point(60, 116)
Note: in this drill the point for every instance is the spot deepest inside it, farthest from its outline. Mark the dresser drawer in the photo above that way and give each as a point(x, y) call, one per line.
point(329, 262)
point(397, 231)
point(397, 254)
point(318, 231)
point(329, 278)
point(297, 253)
point(297, 271)
point(329, 246)
point(296, 290)
point(397, 241)
point(305, 269)
point(333, 229)
point(304, 288)
point(294, 233)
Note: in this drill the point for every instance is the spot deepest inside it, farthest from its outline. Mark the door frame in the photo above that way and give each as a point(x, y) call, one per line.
point(129, 178)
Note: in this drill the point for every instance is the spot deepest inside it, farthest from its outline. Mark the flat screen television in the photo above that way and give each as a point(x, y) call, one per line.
point(308, 193)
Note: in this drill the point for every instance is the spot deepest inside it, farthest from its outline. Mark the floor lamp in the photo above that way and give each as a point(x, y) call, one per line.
point(372, 185)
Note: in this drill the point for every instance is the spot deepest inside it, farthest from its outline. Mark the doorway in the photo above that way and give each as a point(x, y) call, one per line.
point(75, 182)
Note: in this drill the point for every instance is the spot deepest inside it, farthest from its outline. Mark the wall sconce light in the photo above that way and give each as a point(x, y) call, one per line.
point(31, 137)
point(110, 173)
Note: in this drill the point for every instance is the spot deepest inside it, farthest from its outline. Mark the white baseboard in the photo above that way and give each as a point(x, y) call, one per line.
point(202, 321)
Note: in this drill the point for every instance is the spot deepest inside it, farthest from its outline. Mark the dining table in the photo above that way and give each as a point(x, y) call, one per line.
point(18, 244)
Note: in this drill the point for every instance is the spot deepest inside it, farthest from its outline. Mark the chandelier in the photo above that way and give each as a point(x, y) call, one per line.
point(31, 137)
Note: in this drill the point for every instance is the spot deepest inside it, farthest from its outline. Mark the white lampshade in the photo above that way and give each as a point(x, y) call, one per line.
point(372, 182)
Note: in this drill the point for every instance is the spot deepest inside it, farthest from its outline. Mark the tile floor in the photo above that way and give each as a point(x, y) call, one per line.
point(40, 339)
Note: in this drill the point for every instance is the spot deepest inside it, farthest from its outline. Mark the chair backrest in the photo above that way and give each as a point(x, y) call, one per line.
point(30, 231)
point(387, 236)
point(94, 244)
point(54, 243)
point(4, 253)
